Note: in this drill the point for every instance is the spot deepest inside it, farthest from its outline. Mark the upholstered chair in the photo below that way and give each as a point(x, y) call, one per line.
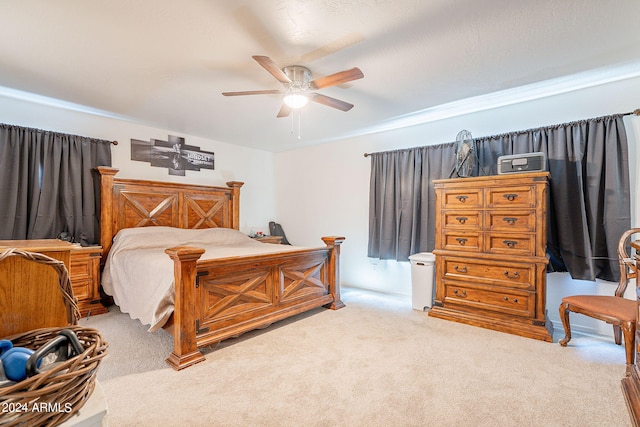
point(615, 310)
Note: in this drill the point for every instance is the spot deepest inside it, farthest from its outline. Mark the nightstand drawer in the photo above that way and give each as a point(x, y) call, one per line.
point(81, 268)
point(82, 289)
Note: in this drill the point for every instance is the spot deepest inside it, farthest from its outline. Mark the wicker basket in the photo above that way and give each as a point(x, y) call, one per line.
point(54, 395)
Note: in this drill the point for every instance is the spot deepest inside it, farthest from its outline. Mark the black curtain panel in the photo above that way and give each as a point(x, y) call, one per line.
point(49, 184)
point(402, 199)
point(589, 206)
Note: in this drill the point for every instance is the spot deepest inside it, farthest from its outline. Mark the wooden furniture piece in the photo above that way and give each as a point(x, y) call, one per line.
point(631, 382)
point(29, 292)
point(491, 253)
point(269, 239)
point(218, 298)
point(84, 273)
point(613, 309)
point(70, 380)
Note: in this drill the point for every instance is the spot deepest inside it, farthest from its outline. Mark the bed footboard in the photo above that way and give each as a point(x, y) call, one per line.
point(223, 298)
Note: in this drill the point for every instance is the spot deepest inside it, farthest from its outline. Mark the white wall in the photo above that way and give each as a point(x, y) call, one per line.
point(324, 189)
point(232, 163)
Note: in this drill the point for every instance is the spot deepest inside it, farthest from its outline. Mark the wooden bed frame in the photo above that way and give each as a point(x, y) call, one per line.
point(221, 298)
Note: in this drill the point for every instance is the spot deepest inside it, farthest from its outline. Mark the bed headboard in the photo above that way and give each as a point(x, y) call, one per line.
point(128, 203)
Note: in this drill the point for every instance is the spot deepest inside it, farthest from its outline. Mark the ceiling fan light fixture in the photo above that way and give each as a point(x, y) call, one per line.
point(295, 100)
point(298, 86)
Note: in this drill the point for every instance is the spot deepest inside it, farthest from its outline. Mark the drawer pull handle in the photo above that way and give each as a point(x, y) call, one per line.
point(515, 300)
point(510, 221)
point(510, 196)
point(515, 275)
point(507, 299)
point(510, 243)
point(462, 269)
point(462, 199)
point(461, 240)
point(462, 219)
point(461, 294)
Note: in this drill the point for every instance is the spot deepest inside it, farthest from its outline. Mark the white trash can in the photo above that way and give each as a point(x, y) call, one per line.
point(422, 275)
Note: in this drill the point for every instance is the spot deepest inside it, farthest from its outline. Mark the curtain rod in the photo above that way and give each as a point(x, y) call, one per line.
point(54, 132)
point(634, 112)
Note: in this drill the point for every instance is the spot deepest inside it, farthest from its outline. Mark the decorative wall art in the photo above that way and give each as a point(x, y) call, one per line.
point(173, 154)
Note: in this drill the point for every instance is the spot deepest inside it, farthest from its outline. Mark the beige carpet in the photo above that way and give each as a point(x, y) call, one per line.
point(375, 362)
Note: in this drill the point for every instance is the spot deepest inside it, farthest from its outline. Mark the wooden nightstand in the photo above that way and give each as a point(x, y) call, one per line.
point(269, 239)
point(84, 273)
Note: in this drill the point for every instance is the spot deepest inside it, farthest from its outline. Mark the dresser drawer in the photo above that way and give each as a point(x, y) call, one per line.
point(468, 241)
point(462, 220)
point(506, 274)
point(511, 197)
point(510, 243)
point(511, 302)
point(457, 198)
point(509, 220)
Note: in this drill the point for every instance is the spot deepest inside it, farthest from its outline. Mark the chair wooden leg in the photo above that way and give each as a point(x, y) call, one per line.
point(564, 316)
point(629, 331)
point(617, 334)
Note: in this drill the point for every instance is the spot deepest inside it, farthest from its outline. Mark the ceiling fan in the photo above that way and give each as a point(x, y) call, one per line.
point(298, 86)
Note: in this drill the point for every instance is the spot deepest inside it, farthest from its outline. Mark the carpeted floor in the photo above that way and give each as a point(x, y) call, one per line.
point(375, 362)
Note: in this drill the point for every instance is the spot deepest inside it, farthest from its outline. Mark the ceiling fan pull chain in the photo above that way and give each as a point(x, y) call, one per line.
point(296, 113)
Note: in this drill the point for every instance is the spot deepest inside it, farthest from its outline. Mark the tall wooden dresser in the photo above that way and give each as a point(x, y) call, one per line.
point(491, 253)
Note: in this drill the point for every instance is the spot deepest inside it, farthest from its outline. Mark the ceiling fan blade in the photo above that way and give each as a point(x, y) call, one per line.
point(337, 78)
point(330, 102)
point(272, 68)
point(253, 92)
point(285, 110)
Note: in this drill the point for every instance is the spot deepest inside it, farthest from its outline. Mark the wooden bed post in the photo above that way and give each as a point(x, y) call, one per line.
point(235, 207)
point(185, 350)
point(334, 243)
point(106, 208)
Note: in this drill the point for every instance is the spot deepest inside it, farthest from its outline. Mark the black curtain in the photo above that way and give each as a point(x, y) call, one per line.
point(402, 199)
point(589, 206)
point(49, 184)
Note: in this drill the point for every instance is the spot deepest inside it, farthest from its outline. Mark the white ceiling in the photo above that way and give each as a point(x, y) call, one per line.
point(164, 63)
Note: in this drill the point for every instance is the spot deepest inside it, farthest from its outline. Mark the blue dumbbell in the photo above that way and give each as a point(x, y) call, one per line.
point(14, 360)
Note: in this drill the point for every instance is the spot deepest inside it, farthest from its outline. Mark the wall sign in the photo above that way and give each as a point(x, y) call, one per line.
point(173, 154)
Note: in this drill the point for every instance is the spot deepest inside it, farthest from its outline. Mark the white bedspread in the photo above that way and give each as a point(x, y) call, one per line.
point(138, 274)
